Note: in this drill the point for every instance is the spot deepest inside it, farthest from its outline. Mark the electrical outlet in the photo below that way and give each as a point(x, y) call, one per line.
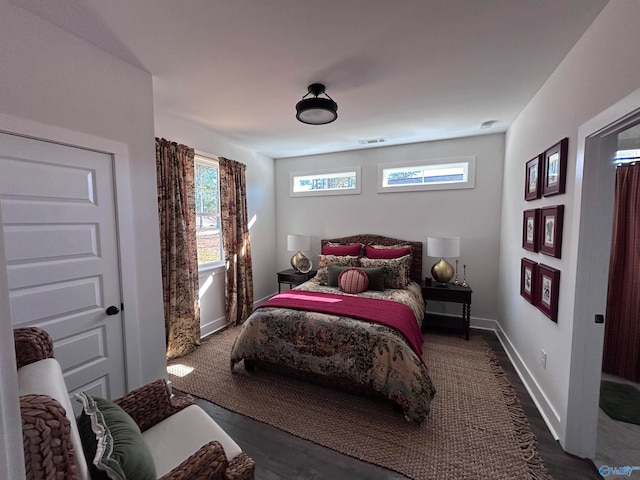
point(543, 359)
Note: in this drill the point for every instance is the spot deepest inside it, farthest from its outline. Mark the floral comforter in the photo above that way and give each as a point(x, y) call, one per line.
point(366, 353)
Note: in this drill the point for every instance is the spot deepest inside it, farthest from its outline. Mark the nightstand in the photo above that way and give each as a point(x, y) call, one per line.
point(292, 278)
point(449, 293)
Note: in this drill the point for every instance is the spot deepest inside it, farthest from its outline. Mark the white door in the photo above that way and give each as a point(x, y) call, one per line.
point(59, 223)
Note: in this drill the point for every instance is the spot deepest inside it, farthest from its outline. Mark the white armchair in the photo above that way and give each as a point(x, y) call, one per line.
point(184, 442)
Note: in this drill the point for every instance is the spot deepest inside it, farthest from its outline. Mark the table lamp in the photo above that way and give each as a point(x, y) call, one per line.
point(442, 271)
point(298, 243)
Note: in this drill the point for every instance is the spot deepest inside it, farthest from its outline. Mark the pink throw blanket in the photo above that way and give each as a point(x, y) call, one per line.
point(392, 314)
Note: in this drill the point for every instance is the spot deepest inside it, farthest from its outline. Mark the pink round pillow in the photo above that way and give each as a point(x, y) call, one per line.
point(353, 280)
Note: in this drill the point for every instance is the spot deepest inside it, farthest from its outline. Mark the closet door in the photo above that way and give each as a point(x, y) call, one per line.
point(59, 223)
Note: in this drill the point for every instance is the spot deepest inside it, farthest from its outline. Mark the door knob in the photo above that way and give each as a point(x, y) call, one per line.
point(113, 310)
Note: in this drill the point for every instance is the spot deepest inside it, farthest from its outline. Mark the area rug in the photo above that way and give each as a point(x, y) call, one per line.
point(620, 401)
point(476, 429)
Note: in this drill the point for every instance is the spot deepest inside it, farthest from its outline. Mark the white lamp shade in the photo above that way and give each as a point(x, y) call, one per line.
point(298, 243)
point(443, 247)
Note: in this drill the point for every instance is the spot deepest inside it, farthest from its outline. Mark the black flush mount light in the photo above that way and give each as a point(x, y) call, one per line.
point(316, 111)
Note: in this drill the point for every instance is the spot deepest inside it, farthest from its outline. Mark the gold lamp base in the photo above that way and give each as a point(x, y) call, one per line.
point(295, 259)
point(442, 272)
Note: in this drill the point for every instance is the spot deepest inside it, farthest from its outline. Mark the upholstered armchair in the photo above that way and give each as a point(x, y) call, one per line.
point(183, 441)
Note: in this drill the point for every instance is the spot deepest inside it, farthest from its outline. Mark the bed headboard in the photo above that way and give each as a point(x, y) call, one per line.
point(371, 239)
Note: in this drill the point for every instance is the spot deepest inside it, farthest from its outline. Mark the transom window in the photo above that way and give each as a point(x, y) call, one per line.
point(626, 156)
point(434, 174)
point(339, 181)
point(208, 227)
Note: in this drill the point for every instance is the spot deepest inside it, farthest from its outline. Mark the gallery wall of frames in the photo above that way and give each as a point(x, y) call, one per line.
point(545, 176)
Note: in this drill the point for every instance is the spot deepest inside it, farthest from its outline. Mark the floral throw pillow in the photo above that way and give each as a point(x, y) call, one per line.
point(396, 270)
point(325, 260)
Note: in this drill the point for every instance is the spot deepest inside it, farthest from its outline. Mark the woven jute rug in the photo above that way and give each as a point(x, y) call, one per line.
point(476, 429)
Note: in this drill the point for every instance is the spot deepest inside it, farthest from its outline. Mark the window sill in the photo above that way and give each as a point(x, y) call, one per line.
point(208, 269)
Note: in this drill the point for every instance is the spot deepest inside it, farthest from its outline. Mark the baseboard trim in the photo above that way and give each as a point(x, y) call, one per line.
point(218, 324)
point(212, 327)
point(548, 413)
point(475, 322)
point(483, 323)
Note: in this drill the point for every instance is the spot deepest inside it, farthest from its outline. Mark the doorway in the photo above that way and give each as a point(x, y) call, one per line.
point(594, 199)
point(618, 442)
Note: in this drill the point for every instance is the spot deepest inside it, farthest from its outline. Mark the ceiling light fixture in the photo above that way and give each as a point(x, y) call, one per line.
point(316, 111)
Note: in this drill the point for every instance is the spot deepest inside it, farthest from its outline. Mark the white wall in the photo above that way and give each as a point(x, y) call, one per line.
point(473, 214)
point(260, 204)
point(602, 68)
point(52, 78)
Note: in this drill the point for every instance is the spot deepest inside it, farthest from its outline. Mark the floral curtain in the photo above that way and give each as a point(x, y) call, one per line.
point(179, 254)
point(235, 241)
point(622, 328)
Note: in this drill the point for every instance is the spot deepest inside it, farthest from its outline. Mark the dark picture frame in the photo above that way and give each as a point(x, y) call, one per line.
point(550, 230)
point(530, 227)
point(554, 173)
point(547, 291)
point(533, 178)
point(528, 279)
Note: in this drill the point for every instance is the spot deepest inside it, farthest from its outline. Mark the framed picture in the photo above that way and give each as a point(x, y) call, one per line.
point(528, 270)
point(550, 230)
point(547, 290)
point(533, 174)
point(530, 225)
point(554, 173)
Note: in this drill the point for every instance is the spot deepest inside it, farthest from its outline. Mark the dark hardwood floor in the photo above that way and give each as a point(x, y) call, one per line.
point(560, 464)
point(279, 455)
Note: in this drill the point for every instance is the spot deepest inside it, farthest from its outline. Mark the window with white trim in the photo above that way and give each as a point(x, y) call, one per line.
point(336, 181)
point(433, 174)
point(626, 156)
point(208, 227)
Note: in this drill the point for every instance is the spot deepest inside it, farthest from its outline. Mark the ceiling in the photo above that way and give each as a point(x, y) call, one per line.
point(404, 70)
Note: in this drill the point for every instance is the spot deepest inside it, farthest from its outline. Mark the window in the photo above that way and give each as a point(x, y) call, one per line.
point(626, 156)
point(435, 174)
point(207, 212)
point(337, 181)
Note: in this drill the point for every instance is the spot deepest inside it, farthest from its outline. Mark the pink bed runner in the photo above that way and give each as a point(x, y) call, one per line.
point(392, 314)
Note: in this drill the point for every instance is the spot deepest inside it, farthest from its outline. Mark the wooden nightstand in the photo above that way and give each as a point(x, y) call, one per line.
point(449, 293)
point(292, 278)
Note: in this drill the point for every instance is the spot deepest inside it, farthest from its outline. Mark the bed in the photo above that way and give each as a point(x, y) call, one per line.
point(331, 331)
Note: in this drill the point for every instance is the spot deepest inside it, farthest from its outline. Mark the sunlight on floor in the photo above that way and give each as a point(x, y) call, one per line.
point(179, 370)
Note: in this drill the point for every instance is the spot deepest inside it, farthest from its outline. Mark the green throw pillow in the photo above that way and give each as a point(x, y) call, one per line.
point(375, 274)
point(376, 277)
point(112, 442)
point(333, 273)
